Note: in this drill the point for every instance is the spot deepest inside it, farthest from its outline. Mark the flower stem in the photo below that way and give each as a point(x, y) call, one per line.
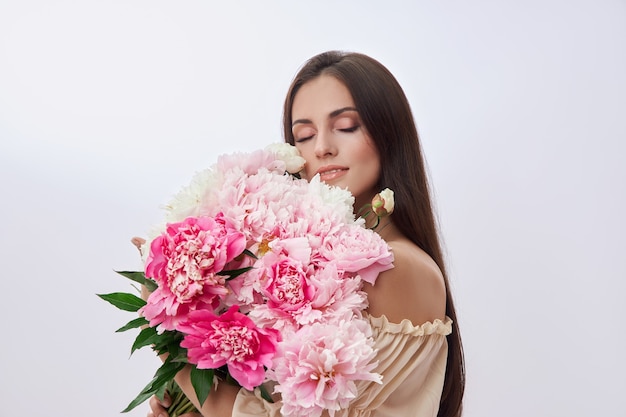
point(180, 403)
point(362, 209)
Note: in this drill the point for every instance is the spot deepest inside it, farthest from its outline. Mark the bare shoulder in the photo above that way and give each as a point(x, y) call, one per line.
point(413, 289)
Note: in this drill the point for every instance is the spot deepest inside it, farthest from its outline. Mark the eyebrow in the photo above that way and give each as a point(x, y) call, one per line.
point(332, 114)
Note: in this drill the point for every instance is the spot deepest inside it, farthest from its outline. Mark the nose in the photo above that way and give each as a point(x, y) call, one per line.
point(324, 145)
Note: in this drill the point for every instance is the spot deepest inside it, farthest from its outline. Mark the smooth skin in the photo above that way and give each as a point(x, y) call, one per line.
point(331, 138)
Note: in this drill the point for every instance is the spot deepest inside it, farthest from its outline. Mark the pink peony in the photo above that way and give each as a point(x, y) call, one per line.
point(231, 339)
point(287, 288)
point(185, 261)
point(283, 270)
point(318, 367)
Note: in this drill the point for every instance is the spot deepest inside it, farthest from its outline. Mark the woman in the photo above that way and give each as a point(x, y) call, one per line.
point(351, 121)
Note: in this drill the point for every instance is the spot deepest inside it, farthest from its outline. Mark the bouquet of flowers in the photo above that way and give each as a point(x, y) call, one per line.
point(256, 276)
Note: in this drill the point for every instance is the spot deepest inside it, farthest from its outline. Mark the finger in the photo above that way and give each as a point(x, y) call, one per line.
point(190, 415)
point(167, 399)
point(158, 407)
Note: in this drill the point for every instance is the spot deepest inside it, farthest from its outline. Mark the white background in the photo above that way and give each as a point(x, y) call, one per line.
point(107, 108)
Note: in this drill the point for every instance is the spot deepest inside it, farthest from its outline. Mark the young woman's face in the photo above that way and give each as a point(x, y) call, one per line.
point(330, 136)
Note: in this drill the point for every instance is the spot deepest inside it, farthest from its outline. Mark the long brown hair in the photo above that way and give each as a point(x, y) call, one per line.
point(386, 114)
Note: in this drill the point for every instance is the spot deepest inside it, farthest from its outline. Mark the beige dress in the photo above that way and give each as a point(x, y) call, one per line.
point(412, 361)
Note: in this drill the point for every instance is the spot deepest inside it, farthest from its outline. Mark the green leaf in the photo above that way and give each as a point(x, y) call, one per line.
point(265, 394)
point(174, 349)
point(123, 301)
point(234, 273)
point(140, 278)
point(146, 337)
point(137, 276)
point(133, 324)
point(160, 393)
point(250, 254)
point(163, 375)
point(168, 342)
point(166, 373)
point(202, 381)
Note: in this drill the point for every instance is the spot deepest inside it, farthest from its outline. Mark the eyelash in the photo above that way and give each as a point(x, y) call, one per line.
point(346, 130)
point(302, 139)
point(350, 129)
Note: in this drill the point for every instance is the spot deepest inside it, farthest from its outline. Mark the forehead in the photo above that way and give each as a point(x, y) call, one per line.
point(320, 96)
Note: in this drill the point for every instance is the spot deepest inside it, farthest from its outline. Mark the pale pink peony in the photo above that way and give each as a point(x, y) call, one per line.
point(259, 203)
point(358, 250)
point(336, 294)
point(230, 339)
point(250, 163)
point(318, 367)
point(185, 261)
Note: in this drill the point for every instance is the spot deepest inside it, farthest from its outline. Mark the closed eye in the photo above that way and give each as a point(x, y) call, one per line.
point(349, 129)
point(300, 140)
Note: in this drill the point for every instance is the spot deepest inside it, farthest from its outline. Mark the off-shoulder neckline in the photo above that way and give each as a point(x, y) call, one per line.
point(442, 327)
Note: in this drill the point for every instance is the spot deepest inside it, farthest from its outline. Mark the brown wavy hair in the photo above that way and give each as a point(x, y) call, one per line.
point(386, 114)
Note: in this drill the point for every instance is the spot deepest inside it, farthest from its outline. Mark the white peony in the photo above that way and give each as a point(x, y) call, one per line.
point(289, 155)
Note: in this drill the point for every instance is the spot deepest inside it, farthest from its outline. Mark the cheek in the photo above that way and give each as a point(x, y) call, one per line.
point(366, 153)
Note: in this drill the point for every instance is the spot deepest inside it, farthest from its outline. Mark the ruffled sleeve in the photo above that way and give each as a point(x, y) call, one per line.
point(412, 361)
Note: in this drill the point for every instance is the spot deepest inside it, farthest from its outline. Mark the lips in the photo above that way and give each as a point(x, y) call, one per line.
point(328, 173)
